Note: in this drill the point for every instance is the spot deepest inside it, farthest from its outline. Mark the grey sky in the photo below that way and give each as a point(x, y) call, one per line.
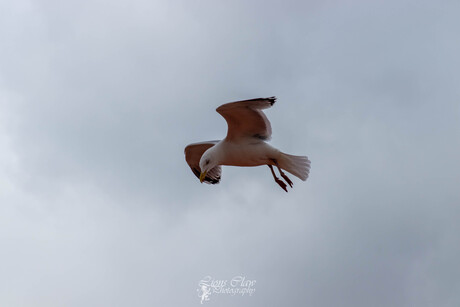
point(99, 98)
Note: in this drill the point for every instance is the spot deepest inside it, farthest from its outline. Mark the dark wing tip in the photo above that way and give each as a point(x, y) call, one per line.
point(207, 179)
point(211, 181)
point(271, 100)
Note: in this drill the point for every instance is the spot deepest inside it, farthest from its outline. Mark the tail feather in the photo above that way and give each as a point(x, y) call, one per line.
point(298, 166)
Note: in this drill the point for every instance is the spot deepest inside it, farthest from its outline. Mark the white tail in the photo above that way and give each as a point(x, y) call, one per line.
point(296, 165)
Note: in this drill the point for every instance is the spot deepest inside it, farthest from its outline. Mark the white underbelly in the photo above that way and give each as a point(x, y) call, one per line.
point(249, 154)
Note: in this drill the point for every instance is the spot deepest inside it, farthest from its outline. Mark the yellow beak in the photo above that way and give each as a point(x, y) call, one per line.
point(202, 176)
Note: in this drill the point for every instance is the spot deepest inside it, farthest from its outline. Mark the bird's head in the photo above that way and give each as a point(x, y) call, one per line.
point(207, 162)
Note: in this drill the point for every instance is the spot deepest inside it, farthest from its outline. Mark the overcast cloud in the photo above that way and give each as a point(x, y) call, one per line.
point(99, 98)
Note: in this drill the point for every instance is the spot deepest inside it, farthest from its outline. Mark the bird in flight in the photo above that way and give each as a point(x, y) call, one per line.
point(244, 145)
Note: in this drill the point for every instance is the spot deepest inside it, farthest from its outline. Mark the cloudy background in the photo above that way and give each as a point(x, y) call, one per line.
point(99, 98)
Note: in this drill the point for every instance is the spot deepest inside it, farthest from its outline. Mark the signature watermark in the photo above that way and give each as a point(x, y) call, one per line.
point(238, 285)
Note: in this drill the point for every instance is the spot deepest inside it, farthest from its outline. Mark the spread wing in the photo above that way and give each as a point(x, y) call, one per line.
point(193, 153)
point(246, 119)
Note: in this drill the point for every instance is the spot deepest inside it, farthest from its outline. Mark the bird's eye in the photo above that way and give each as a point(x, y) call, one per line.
point(207, 162)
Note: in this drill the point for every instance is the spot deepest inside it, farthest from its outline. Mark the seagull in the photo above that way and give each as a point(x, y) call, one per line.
point(244, 145)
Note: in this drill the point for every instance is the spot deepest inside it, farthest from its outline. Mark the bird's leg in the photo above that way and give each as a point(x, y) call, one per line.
point(277, 180)
point(283, 174)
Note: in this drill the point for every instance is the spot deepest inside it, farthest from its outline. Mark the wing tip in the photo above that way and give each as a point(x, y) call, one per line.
point(207, 179)
point(271, 100)
point(211, 180)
